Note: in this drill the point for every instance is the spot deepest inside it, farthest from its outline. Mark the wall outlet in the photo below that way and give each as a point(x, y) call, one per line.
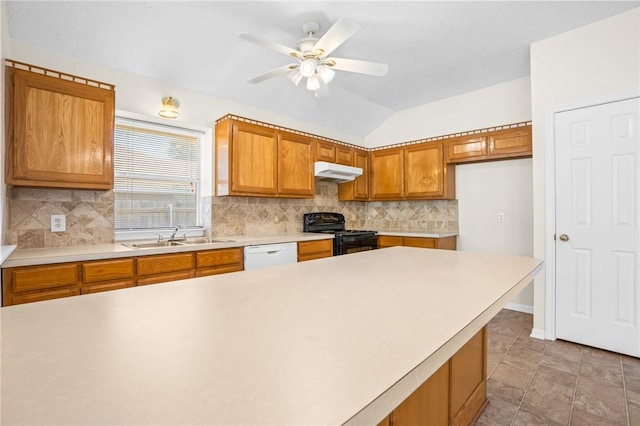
point(58, 223)
point(500, 217)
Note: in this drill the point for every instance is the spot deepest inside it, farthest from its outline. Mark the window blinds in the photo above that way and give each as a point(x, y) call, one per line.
point(155, 175)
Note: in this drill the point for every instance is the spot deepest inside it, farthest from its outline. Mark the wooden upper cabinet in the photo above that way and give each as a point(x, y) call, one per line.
point(414, 172)
point(467, 149)
point(357, 189)
point(511, 143)
point(295, 165)
point(325, 151)
point(424, 173)
point(247, 159)
point(261, 161)
point(507, 143)
point(387, 174)
point(59, 129)
point(344, 155)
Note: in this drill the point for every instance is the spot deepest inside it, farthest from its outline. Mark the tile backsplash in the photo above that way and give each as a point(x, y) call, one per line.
point(90, 220)
point(89, 217)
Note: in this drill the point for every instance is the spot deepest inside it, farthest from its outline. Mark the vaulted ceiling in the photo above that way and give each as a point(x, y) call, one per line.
point(434, 49)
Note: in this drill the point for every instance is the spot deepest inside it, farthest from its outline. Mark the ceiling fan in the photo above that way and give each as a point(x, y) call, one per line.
point(312, 55)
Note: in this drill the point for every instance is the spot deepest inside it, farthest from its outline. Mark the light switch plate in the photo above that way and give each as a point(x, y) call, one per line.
point(58, 223)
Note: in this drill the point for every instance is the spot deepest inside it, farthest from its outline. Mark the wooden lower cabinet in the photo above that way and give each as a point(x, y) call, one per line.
point(34, 283)
point(309, 250)
point(446, 243)
point(454, 395)
point(221, 261)
point(43, 282)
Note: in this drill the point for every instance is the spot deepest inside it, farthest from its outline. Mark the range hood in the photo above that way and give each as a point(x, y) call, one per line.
point(336, 172)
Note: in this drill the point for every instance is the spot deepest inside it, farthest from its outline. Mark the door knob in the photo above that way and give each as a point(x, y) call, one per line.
point(564, 237)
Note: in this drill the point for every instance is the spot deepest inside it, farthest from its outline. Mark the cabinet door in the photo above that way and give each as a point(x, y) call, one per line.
point(253, 156)
point(419, 242)
point(357, 189)
point(309, 250)
point(165, 263)
point(468, 386)
point(424, 171)
point(325, 151)
point(387, 174)
point(467, 149)
point(511, 143)
point(61, 133)
point(389, 241)
point(295, 166)
point(427, 405)
point(33, 283)
point(344, 155)
point(108, 270)
point(221, 261)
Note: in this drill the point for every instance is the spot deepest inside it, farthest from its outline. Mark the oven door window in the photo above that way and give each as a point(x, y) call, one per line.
point(348, 245)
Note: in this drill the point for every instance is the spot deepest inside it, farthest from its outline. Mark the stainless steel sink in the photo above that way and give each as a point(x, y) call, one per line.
point(207, 241)
point(155, 244)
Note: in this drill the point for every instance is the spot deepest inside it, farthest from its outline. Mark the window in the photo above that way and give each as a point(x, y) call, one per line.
point(156, 174)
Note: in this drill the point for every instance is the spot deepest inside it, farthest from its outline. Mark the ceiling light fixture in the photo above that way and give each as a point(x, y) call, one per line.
point(169, 108)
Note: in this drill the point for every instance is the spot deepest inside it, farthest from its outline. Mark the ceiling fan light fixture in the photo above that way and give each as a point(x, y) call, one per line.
point(326, 74)
point(295, 76)
point(308, 67)
point(169, 108)
point(313, 83)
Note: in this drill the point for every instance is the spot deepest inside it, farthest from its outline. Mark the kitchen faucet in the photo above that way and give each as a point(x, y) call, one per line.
point(173, 235)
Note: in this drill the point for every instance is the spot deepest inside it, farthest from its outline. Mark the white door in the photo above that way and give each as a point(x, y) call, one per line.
point(597, 266)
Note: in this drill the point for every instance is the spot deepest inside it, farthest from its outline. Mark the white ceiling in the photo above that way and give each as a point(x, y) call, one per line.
point(434, 49)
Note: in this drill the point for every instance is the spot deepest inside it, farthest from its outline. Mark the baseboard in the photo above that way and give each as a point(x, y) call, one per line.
point(537, 333)
point(520, 308)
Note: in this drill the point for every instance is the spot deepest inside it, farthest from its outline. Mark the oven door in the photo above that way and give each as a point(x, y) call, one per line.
point(354, 244)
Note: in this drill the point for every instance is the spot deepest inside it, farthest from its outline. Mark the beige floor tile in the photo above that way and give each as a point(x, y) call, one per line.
point(549, 399)
point(580, 417)
point(606, 373)
point(525, 418)
point(557, 361)
point(505, 391)
point(596, 405)
point(497, 412)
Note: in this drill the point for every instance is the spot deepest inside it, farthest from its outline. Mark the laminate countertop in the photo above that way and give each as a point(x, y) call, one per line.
point(340, 340)
point(44, 256)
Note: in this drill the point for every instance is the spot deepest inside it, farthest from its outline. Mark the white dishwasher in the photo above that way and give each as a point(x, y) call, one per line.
point(266, 255)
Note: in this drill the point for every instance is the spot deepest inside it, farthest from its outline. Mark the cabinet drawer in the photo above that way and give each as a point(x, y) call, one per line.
point(96, 288)
point(163, 278)
point(165, 263)
point(215, 258)
point(309, 250)
point(44, 277)
point(42, 295)
point(107, 270)
point(419, 242)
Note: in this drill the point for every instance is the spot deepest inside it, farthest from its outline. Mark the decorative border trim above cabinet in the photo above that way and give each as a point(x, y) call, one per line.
point(285, 129)
point(377, 148)
point(57, 74)
point(454, 135)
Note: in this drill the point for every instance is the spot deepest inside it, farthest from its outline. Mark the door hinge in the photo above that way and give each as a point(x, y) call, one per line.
point(554, 237)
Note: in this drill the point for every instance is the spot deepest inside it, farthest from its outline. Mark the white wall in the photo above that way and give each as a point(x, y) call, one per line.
point(596, 60)
point(504, 103)
point(486, 189)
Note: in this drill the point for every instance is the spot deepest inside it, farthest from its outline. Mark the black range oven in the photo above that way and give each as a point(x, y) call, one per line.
point(345, 241)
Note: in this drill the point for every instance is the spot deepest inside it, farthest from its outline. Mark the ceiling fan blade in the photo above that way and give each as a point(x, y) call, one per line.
point(273, 73)
point(270, 45)
point(339, 32)
point(362, 67)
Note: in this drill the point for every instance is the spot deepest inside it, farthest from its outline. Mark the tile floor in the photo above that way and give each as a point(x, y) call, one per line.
point(538, 382)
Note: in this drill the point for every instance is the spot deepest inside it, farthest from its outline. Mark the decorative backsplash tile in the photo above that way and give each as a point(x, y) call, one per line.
point(90, 220)
point(89, 217)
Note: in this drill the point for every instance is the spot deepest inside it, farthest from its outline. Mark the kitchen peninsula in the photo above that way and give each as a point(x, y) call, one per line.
point(340, 340)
